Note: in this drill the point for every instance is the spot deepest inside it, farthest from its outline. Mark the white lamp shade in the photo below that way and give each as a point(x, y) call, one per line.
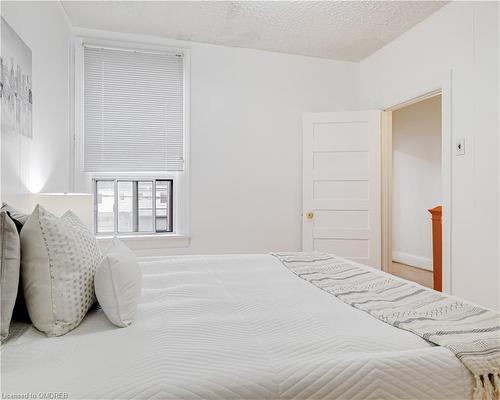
point(58, 203)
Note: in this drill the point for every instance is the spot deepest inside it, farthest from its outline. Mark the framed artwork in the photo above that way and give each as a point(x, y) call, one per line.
point(16, 94)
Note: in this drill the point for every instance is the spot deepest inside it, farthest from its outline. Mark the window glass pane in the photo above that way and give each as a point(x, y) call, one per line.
point(145, 206)
point(142, 206)
point(125, 207)
point(105, 206)
point(163, 204)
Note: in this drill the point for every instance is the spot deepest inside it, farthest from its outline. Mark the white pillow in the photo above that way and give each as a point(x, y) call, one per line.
point(58, 261)
point(118, 284)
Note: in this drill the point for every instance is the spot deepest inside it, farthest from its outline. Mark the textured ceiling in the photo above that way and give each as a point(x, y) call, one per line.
point(340, 30)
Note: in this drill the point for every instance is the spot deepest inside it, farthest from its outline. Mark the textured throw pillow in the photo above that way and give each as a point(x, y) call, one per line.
point(10, 251)
point(118, 284)
point(19, 217)
point(58, 261)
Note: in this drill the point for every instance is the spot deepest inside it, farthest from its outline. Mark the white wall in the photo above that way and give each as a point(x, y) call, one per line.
point(246, 144)
point(40, 164)
point(416, 144)
point(461, 37)
point(246, 141)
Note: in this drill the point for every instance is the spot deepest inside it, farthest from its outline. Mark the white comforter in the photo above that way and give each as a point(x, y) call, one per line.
point(233, 327)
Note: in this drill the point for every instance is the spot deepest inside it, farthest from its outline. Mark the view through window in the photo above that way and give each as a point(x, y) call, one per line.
point(129, 206)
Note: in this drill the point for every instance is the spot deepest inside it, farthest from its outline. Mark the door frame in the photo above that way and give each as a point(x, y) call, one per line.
point(440, 84)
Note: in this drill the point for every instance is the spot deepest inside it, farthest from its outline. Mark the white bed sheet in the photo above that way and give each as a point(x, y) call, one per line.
point(233, 327)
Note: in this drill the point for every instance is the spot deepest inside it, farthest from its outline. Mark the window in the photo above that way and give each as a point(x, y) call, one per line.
point(133, 206)
point(131, 135)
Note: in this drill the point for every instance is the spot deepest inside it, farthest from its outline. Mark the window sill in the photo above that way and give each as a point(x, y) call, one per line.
point(148, 242)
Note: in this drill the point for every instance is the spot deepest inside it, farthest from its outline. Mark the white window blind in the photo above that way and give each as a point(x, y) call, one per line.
point(134, 111)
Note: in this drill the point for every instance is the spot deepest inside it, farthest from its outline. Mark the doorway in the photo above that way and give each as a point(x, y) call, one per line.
point(414, 175)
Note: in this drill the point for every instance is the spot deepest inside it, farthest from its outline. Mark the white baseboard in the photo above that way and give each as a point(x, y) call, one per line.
point(412, 260)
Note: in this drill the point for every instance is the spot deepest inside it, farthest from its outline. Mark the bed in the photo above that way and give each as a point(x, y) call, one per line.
point(233, 327)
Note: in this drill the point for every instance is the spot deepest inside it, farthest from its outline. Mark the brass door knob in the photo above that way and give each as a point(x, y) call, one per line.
point(310, 215)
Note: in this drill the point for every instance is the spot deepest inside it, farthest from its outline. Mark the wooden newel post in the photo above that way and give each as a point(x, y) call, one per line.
point(437, 247)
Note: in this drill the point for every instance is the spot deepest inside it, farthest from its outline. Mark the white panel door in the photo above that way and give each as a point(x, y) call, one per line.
point(341, 185)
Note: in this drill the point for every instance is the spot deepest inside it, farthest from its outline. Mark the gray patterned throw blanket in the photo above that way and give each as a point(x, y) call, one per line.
point(472, 333)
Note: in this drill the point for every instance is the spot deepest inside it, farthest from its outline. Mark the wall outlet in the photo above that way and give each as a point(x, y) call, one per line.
point(460, 147)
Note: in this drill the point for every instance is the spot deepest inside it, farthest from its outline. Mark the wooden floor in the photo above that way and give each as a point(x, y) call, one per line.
point(421, 276)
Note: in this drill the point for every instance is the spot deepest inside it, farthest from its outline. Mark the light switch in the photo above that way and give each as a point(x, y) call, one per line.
point(460, 147)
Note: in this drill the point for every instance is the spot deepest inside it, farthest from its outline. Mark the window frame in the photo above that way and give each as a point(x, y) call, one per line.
point(81, 181)
point(135, 208)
